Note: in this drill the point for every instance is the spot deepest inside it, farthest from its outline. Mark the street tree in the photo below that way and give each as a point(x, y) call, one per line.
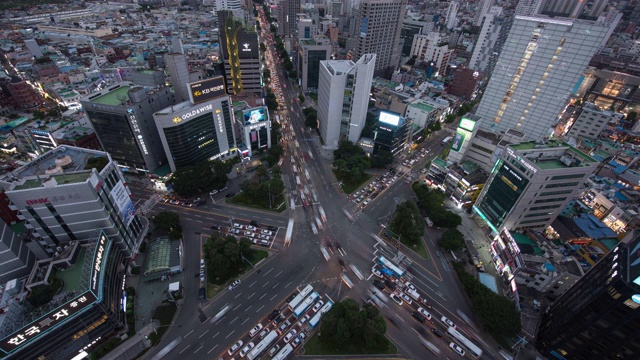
point(452, 240)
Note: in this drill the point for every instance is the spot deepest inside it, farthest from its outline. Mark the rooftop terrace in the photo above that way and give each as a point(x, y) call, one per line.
point(112, 98)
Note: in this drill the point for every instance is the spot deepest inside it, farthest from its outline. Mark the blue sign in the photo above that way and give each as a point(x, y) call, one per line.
point(364, 27)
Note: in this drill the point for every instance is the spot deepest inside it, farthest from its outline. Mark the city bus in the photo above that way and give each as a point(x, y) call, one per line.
point(305, 304)
point(472, 349)
point(284, 353)
point(391, 266)
point(298, 299)
point(263, 345)
point(316, 318)
point(446, 140)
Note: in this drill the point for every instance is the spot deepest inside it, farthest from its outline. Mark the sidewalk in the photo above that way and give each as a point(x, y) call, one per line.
point(134, 345)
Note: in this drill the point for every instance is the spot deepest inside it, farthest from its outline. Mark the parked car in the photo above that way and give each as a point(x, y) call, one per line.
point(245, 350)
point(231, 194)
point(234, 284)
point(396, 299)
point(255, 330)
point(235, 347)
point(318, 305)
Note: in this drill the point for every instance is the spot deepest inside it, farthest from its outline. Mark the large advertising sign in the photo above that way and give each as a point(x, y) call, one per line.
point(254, 116)
point(120, 197)
point(467, 124)
point(458, 140)
point(206, 89)
point(389, 118)
point(98, 256)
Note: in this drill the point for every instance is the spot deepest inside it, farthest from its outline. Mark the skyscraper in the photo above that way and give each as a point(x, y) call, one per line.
point(528, 7)
point(599, 316)
point(377, 31)
point(450, 20)
point(178, 69)
point(288, 11)
point(241, 55)
point(343, 98)
point(540, 63)
point(481, 10)
point(530, 184)
point(494, 31)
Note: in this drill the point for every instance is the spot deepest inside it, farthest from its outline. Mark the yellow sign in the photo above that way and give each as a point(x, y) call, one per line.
point(176, 120)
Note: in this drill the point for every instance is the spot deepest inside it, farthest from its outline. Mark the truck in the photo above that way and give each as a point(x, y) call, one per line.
point(414, 294)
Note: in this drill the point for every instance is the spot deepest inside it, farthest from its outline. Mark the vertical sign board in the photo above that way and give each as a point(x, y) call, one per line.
point(120, 197)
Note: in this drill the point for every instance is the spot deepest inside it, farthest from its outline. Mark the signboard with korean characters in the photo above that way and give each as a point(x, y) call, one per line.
point(206, 89)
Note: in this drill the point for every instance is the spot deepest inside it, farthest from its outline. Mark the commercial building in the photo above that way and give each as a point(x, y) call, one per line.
point(22, 94)
point(450, 16)
point(288, 11)
point(122, 116)
point(178, 69)
point(432, 48)
point(88, 310)
point(493, 33)
point(198, 129)
point(461, 141)
point(343, 98)
point(539, 65)
point(392, 133)
point(465, 84)
point(63, 197)
point(255, 130)
point(531, 184)
point(241, 55)
point(411, 28)
point(310, 53)
point(482, 8)
point(591, 121)
point(598, 317)
point(377, 31)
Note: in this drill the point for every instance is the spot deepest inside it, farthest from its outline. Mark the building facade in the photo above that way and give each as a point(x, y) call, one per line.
point(343, 98)
point(63, 197)
point(493, 34)
point(178, 69)
point(199, 129)
point(377, 31)
point(392, 133)
point(539, 65)
point(122, 116)
point(255, 130)
point(591, 121)
point(531, 184)
point(241, 55)
point(310, 53)
point(598, 317)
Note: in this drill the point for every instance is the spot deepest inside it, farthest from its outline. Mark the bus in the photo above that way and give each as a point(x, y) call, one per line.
point(346, 280)
point(305, 304)
point(287, 238)
point(298, 299)
point(446, 140)
point(460, 339)
point(284, 353)
point(263, 345)
point(391, 266)
point(316, 318)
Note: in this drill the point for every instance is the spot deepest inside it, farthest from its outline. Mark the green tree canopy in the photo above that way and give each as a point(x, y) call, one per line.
point(348, 327)
point(452, 240)
point(431, 202)
point(408, 223)
point(381, 159)
point(222, 253)
point(168, 222)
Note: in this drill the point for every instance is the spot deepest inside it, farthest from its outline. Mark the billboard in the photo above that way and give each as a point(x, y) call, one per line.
point(364, 27)
point(121, 199)
point(467, 124)
point(206, 89)
point(458, 140)
point(254, 116)
point(389, 118)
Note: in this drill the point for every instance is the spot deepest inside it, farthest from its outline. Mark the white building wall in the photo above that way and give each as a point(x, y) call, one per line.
point(364, 70)
point(330, 97)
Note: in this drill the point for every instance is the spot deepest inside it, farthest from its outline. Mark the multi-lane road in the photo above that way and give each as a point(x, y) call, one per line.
point(324, 218)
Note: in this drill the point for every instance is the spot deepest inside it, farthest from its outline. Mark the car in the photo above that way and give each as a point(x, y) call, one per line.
point(390, 284)
point(283, 327)
point(410, 286)
point(238, 226)
point(360, 199)
point(215, 227)
point(447, 322)
point(396, 299)
point(318, 305)
point(231, 194)
point(266, 232)
point(292, 296)
point(366, 202)
point(379, 284)
point(252, 228)
point(174, 202)
point(406, 298)
point(424, 313)
point(290, 335)
point(202, 278)
point(248, 233)
point(264, 333)
point(296, 342)
point(264, 242)
point(274, 314)
point(201, 263)
point(280, 319)
point(377, 273)
point(418, 316)
point(304, 320)
point(235, 231)
point(264, 237)
point(437, 332)
point(274, 350)
point(455, 347)
point(272, 228)
point(234, 284)
point(255, 223)
point(235, 347)
point(255, 330)
point(245, 350)
point(202, 294)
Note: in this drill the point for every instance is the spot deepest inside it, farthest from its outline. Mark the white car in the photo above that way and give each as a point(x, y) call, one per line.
point(290, 335)
point(266, 232)
point(252, 228)
point(248, 233)
point(255, 330)
point(264, 237)
point(318, 305)
point(245, 350)
point(447, 322)
point(304, 320)
point(201, 263)
point(406, 298)
point(296, 342)
point(455, 347)
point(274, 350)
point(237, 226)
point(396, 299)
point(235, 347)
point(410, 286)
point(234, 285)
point(424, 313)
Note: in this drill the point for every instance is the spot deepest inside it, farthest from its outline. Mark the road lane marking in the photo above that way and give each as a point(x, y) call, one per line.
point(273, 297)
point(268, 272)
point(236, 307)
point(263, 295)
point(253, 283)
point(238, 295)
point(259, 309)
point(197, 349)
point(231, 333)
point(286, 286)
point(265, 284)
point(188, 334)
point(400, 318)
point(244, 321)
point(203, 334)
point(250, 296)
point(274, 286)
point(214, 336)
point(231, 322)
point(278, 274)
point(184, 349)
point(213, 348)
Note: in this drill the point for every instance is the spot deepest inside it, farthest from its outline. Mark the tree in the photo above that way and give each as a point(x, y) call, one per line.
point(197, 179)
point(168, 222)
point(293, 74)
point(301, 98)
point(98, 162)
point(266, 73)
point(347, 327)
point(263, 48)
point(369, 125)
point(431, 202)
point(407, 223)
point(452, 240)
point(381, 159)
point(311, 119)
point(272, 28)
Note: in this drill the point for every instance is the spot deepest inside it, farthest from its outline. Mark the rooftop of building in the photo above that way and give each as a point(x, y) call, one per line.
point(339, 67)
point(440, 162)
point(422, 106)
point(62, 165)
point(569, 158)
point(113, 98)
